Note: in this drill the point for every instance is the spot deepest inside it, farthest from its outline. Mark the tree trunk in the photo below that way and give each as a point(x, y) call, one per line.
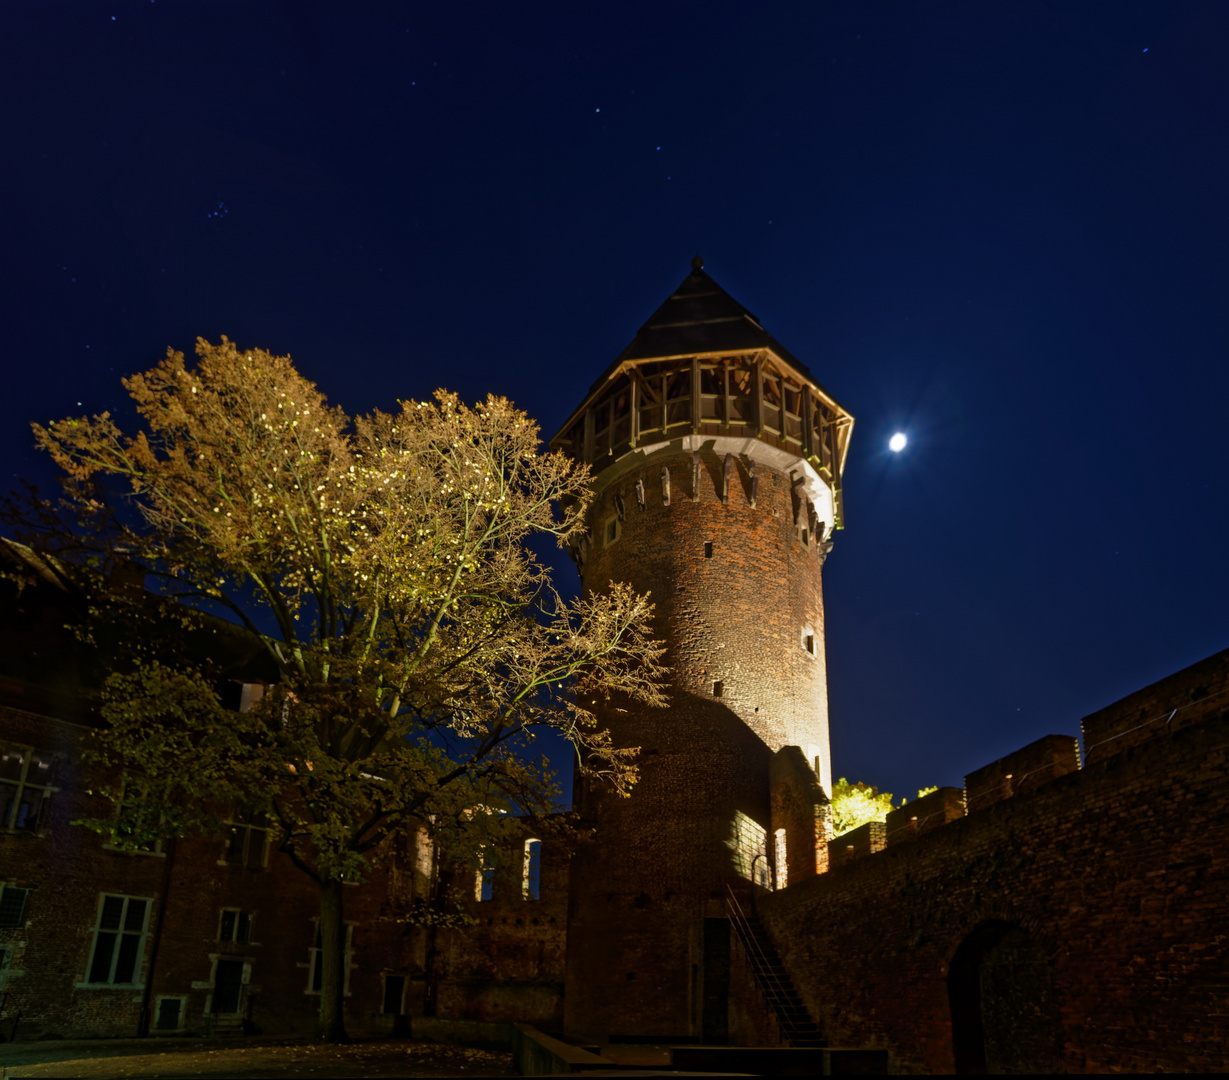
point(332, 963)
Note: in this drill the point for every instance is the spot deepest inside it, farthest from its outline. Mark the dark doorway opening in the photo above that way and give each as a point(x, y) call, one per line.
point(394, 994)
point(1005, 1016)
point(227, 986)
point(715, 1017)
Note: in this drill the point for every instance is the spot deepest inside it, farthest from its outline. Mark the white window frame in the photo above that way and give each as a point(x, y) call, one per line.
point(25, 903)
point(314, 957)
point(12, 789)
point(239, 914)
point(153, 848)
point(183, 1009)
point(212, 984)
point(249, 826)
point(7, 955)
point(120, 931)
point(405, 990)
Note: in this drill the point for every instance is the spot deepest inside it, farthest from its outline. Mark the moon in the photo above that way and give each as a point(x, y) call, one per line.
point(897, 442)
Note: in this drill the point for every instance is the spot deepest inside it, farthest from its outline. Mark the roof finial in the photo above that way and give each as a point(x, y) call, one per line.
point(697, 263)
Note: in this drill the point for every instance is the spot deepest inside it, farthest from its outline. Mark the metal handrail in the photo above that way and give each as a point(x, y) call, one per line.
point(763, 970)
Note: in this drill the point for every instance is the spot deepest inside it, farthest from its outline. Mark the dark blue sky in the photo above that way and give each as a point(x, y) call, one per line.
point(1000, 227)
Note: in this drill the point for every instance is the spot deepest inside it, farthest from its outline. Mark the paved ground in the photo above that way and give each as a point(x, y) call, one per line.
point(247, 1059)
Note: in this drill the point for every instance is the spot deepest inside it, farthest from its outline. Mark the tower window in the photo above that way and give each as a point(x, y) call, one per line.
point(810, 644)
point(531, 875)
point(612, 530)
point(484, 883)
point(708, 549)
point(808, 639)
point(718, 688)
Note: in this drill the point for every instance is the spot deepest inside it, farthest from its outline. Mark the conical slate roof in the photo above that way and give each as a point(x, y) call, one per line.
point(700, 317)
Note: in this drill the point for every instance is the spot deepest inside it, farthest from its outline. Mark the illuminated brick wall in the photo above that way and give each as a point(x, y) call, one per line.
point(1091, 902)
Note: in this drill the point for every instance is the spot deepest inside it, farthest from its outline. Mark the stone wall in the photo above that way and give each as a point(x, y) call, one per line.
point(801, 818)
point(1076, 925)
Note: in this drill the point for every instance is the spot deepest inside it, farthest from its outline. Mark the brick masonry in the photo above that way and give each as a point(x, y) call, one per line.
point(738, 595)
point(508, 965)
point(1103, 889)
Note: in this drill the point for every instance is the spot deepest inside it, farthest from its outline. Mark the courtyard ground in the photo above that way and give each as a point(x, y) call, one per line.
point(247, 1059)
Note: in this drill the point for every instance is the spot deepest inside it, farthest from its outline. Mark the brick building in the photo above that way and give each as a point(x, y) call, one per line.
point(1054, 914)
point(216, 935)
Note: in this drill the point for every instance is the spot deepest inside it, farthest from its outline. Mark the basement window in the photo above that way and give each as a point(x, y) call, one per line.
point(169, 1012)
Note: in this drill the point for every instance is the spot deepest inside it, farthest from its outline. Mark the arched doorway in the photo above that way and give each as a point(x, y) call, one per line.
point(1005, 1016)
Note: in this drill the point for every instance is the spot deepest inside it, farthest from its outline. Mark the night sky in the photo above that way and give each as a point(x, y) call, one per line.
point(999, 227)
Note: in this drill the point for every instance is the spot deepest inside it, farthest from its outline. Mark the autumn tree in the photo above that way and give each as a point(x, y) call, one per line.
point(383, 564)
point(856, 804)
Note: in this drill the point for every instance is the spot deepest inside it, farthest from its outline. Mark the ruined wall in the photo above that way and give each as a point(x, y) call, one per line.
point(801, 818)
point(1088, 906)
point(509, 965)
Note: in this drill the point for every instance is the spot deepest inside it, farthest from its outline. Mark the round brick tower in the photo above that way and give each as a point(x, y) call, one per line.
point(717, 463)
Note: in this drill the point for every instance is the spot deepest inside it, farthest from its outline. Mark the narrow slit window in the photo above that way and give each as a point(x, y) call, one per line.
point(484, 880)
point(708, 549)
point(782, 866)
point(531, 881)
point(718, 688)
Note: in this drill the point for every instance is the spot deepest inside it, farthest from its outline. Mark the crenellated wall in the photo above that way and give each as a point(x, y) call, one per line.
point(1075, 920)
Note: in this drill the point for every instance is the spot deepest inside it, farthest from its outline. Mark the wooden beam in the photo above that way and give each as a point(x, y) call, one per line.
point(695, 394)
point(634, 427)
point(757, 393)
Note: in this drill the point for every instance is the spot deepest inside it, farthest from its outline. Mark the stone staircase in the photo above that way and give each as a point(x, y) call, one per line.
point(797, 1027)
point(224, 1026)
